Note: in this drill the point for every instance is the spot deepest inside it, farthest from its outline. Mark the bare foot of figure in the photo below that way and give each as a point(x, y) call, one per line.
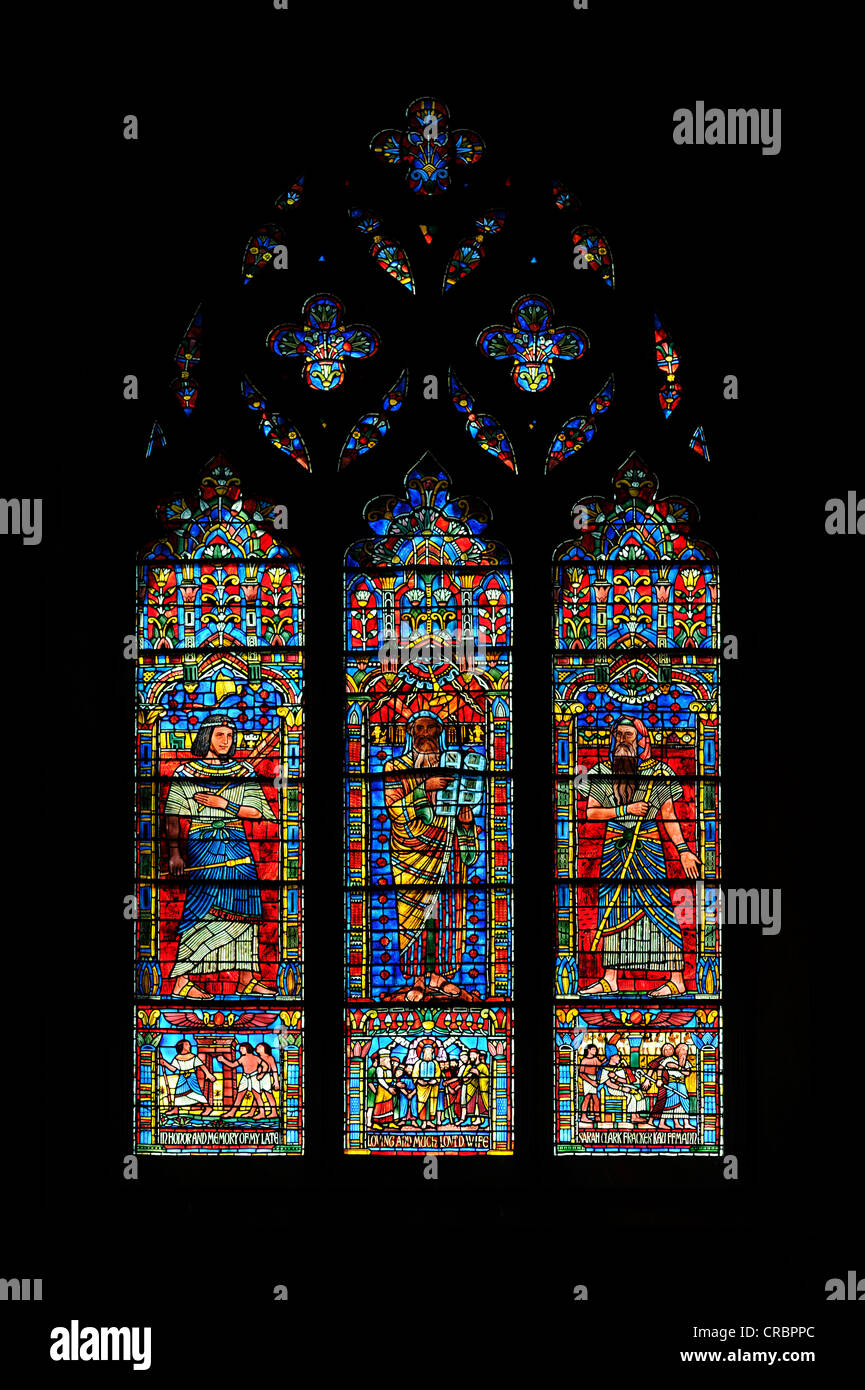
point(439, 982)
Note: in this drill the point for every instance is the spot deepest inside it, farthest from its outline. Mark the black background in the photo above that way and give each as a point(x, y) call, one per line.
point(231, 108)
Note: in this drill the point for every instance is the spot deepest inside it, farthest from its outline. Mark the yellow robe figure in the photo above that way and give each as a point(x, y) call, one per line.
point(428, 852)
point(427, 1075)
point(477, 1089)
point(382, 1111)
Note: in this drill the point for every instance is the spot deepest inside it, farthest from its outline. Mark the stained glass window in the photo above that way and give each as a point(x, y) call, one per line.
point(668, 363)
point(533, 345)
point(637, 811)
point(512, 319)
point(427, 147)
point(219, 823)
point(428, 856)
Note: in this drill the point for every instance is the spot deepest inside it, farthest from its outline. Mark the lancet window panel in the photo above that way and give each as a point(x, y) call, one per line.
point(636, 857)
point(219, 827)
point(428, 804)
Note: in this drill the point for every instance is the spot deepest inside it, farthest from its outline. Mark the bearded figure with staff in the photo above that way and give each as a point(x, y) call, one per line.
point(637, 927)
point(431, 854)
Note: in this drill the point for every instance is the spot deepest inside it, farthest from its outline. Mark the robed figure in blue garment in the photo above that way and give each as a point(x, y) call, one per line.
point(216, 794)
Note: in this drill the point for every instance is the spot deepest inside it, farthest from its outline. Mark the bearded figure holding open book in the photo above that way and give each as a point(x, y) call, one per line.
point(431, 798)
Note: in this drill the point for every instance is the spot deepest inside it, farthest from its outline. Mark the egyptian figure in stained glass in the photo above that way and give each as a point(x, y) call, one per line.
point(590, 1063)
point(268, 1079)
point(428, 851)
point(427, 1074)
point(222, 911)
point(668, 1072)
point(405, 1097)
point(251, 1067)
point(476, 1082)
point(637, 925)
point(381, 1093)
point(187, 1092)
point(450, 1110)
point(650, 1091)
point(619, 1081)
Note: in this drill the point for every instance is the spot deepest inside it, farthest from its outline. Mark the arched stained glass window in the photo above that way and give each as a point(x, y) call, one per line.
point(428, 631)
point(637, 797)
point(219, 814)
point(453, 308)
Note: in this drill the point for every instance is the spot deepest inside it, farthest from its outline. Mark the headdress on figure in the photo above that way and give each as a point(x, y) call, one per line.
point(644, 747)
point(217, 719)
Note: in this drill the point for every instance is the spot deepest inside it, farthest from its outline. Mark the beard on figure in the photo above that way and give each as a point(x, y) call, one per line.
point(624, 772)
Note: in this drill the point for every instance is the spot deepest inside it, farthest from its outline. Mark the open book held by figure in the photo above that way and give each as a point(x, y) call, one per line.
point(467, 787)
